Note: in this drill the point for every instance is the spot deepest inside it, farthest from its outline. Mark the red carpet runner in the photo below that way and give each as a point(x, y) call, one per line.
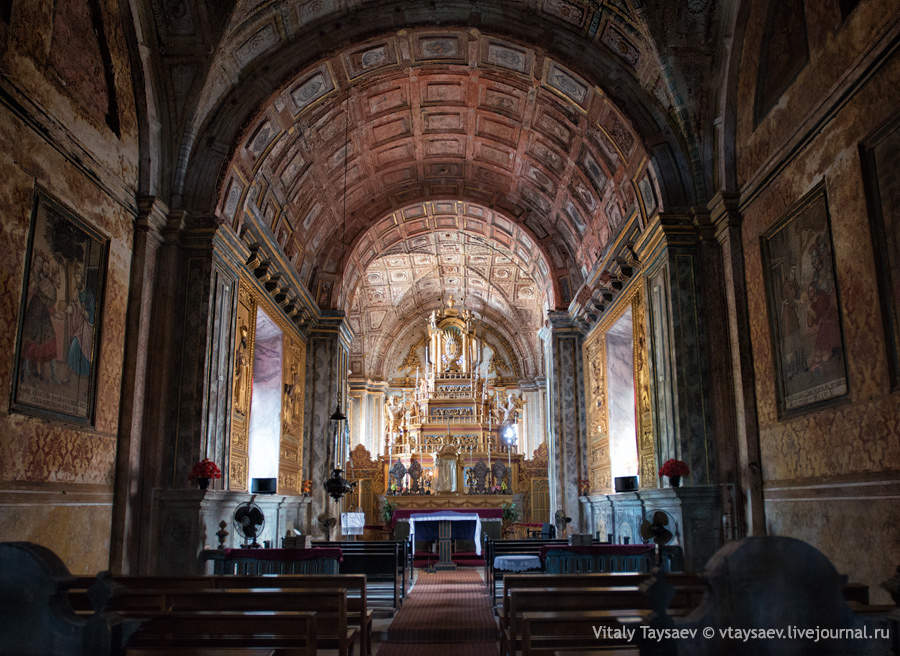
point(446, 614)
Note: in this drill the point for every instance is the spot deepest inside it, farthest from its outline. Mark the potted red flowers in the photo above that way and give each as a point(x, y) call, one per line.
point(674, 469)
point(203, 471)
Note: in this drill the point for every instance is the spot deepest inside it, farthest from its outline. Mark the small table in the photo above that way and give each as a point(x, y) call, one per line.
point(516, 562)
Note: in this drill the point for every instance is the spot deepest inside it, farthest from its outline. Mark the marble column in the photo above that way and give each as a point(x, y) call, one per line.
point(567, 442)
point(127, 515)
point(727, 222)
point(669, 252)
point(327, 360)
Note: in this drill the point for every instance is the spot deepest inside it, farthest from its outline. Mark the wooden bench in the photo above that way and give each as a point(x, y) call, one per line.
point(328, 604)
point(380, 561)
point(494, 548)
point(203, 630)
point(543, 632)
point(617, 600)
point(535, 580)
point(358, 613)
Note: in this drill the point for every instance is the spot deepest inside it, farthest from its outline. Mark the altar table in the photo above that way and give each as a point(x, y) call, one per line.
point(470, 522)
point(403, 514)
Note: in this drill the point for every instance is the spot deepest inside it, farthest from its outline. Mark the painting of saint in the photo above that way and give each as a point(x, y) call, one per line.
point(56, 359)
point(804, 307)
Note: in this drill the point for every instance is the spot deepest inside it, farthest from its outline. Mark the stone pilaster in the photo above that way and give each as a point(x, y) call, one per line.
point(669, 251)
point(327, 362)
point(727, 222)
point(208, 289)
point(127, 515)
point(188, 414)
point(567, 445)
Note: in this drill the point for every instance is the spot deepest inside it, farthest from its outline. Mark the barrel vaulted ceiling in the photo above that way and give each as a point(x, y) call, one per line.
point(435, 114)
point(416, 258)
point(541, 127)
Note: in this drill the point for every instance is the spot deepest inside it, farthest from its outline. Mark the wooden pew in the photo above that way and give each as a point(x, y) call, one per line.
point(187, 630)
point(537, 580)
point(573, 607)
point(494, 548)
point(379, 561)
point(328, 604)
point(358, 613)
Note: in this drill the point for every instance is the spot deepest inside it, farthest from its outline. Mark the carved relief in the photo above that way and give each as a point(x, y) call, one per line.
point(242, 386)
point(600, 473)
point(293, 369)
point(242, 370)
point(643, 410)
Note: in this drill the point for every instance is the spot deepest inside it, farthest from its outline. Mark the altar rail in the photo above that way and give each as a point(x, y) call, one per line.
point(273, 561)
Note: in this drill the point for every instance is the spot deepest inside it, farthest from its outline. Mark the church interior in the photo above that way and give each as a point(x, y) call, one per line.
point(432, 293)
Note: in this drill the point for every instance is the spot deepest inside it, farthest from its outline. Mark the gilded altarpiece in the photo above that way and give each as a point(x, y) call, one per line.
point(293, 370)
point(595, 367)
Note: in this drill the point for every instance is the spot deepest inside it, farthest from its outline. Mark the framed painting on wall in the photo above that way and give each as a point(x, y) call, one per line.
point(881, 167)
point(58, 334)
point(804, 307)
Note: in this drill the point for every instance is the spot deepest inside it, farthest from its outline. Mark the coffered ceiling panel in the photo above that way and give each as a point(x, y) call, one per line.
point(441, 116)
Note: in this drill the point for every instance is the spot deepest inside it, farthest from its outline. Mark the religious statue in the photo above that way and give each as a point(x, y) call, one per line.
point(291, 392)
point(242, 371)
point(446, 469)
point(432, 320)
point(509, 412)
point(394, 413)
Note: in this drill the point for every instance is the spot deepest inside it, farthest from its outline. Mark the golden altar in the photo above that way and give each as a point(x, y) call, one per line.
point(450, 437)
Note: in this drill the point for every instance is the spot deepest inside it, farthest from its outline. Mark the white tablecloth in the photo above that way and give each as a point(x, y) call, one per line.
point(516, 563)
point(450, 516)
point(353, 523)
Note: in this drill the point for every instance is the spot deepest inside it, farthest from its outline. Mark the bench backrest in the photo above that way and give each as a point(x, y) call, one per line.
point(514, 581)
point(329, 604)
point(355, 584)
point(173, 631)
point(522, 600)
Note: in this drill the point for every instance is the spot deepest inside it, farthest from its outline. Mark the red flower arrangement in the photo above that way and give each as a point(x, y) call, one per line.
point(674, 468)
point(307, 487)
point(206, 468)
point(584, 487)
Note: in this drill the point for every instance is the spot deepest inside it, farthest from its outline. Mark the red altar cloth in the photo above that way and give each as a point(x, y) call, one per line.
point(286, 554)
point(484, 513)
point(606, 549)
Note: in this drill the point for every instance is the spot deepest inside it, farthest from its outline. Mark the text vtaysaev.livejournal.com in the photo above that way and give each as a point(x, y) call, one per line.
point(790, 632)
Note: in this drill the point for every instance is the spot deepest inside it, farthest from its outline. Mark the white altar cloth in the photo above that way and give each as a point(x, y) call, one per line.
point(449, 516)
